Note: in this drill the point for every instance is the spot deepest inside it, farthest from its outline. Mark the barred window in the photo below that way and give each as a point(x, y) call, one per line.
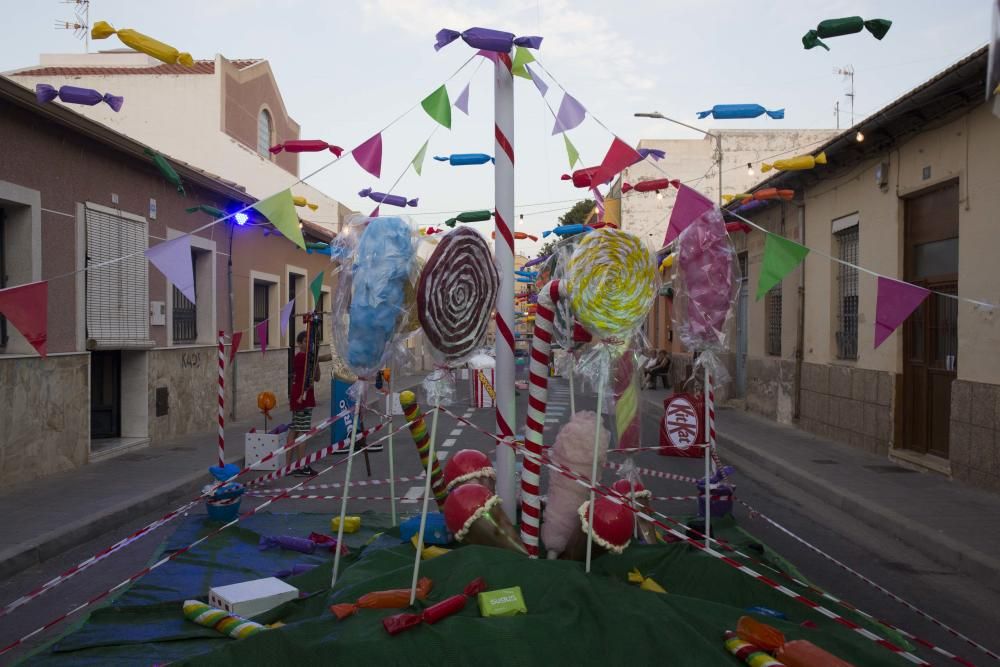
point(185, 313)
point(261, 306)
point(847, 293)
point(772, 317)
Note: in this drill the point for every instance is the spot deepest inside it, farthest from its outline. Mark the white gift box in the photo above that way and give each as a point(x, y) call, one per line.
point(258, 445)
point(250, 598)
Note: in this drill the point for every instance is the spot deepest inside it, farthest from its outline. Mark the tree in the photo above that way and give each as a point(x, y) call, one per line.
point(577, 215)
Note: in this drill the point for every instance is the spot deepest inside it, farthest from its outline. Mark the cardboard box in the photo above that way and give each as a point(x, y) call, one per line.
point(258, 445)
point(250, 598)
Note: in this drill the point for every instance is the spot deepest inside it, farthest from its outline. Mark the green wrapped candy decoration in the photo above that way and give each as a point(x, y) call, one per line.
point(470, 216)
point(207, 208)
point(166, 170)
point(844, 26)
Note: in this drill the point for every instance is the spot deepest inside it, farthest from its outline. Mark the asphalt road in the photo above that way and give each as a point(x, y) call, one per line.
point(956, 599)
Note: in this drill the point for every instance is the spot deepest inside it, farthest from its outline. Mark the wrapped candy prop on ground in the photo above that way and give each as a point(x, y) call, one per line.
point(398, 598)
point(221, 621)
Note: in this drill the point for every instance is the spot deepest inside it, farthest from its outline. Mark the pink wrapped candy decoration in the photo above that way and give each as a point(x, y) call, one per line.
point(707, 282)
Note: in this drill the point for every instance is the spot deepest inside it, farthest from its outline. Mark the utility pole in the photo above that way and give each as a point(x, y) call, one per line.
point(80, 26)
point(836, 112)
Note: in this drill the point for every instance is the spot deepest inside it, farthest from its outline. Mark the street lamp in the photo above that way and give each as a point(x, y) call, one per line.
point(717, 137)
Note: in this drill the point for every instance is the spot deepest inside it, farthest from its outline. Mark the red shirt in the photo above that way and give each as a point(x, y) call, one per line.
point(299, 367)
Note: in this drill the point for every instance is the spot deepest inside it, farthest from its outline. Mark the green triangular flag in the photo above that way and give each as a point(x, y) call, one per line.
point(522, 57)
point(780, 257)
point(280, 211)
point(316, 286)
point(571, 151)
point(438, 106)
point(418, 159)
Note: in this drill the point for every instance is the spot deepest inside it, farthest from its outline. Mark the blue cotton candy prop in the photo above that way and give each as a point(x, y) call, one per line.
point(380, 273)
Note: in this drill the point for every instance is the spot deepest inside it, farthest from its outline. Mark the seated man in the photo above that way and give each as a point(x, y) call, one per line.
point(659, 369)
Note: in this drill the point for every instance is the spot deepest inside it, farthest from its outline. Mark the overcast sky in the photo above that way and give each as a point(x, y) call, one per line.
point(346, 69)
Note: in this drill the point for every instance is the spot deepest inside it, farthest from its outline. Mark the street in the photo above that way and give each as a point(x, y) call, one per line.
point(956, 599)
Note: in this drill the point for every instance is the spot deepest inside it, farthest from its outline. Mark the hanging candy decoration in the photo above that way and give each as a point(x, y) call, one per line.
point(305, 146)
point(773, 193)
point(485, 39)
point(735, 111)
point(456, 292)
point(667, 262)
point(752, 205)
point(73, 95)
point(567, 230)
point(797, 163)
point(743, 196)
point(526, 274)
point(166, 170)
point(206, 208)
point(391, 200)
point(844, 26)
point(299, 200)
point(462, 159)
point(582, 177)
point(520, 236)
point(654, 153)
point(536, 261)
point(470, 216)
point(654, 185)
point(431, 230)
point(733, 227)
point(140, 42)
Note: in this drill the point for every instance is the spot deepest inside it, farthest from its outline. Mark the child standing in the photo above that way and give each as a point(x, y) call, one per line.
point(302, 404)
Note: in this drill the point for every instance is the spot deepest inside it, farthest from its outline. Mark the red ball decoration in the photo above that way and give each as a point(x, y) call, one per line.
point(613, 523)
point(466, 465)
point(465, 501)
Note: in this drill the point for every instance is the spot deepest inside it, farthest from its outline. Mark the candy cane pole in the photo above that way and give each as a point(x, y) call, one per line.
point(431, 460)
point(222, 398)
point(503, 110)
point(347, 480)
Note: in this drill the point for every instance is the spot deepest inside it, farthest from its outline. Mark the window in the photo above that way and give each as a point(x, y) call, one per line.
point(847, 293)
point(264, 132)
point(117, 292)
point(185, 313)
point(261, 306)
point(772, 316)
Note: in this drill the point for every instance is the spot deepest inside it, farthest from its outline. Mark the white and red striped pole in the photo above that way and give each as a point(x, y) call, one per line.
point(709, 444)
point(503, 109)
point(222, 398)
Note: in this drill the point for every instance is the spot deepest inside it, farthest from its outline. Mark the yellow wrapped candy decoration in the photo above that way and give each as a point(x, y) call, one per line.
point(299, 200)
point(612, 282)
point(143, 43)
point(797, 163)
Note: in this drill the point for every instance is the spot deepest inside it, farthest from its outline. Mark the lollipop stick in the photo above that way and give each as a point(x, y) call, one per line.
point(392, 469)
point(708, 462)
point(347, 483)
point(593, 470)
point(572, 394)
point(431, 457)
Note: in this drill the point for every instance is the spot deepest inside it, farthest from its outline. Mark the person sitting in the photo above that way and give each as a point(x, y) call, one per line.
point(659, 369)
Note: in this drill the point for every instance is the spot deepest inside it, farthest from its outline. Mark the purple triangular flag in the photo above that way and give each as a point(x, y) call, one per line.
point(537, 80)
point(689, 205)
point(286, 310)
point(369, 155)
point(571, 114)
point(173, 259)
point(896, 300)
point(462, 101)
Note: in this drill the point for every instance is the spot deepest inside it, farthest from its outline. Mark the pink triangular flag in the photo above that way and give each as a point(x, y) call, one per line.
point(462, 101)
point(173, 259)
point(262, 336)
point(619, 156)
point(27, 308)
point(896, 300)
point(374, 213)
point(689, 205)
point(286, 310)
point(235, 346)
point(369, 155)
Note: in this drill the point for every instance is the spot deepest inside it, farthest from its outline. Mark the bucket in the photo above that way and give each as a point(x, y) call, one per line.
point(223, 510)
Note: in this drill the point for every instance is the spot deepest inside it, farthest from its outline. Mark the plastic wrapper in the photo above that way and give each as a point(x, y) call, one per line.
point(436, 612)
point(396, 598)
point(639, 497)
point(321, 540)
point(645, 583)
point(143, 43)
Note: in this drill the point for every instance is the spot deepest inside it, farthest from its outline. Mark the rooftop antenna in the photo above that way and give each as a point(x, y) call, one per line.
point(836, 112)
point(848, 73)
point(80, 25)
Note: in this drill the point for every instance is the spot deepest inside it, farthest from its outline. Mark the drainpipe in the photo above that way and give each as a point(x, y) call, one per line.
point(800, 332)
point(229, 279)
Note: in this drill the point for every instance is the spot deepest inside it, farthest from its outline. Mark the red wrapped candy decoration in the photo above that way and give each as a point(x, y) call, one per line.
point(651, 186)
point(436, 612)
point(582, 177)
point(306, 146)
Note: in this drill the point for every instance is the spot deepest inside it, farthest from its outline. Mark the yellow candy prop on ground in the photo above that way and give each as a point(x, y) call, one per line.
point(351, 524)
point(645, 583)
point(797, 163)
point(429, 552)
point(299, 200)
point(144, 43)
point(236, 627)
point(612, 282)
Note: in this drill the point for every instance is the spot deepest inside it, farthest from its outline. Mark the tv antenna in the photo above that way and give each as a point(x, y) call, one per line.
point(848, 73)
point(80, 25)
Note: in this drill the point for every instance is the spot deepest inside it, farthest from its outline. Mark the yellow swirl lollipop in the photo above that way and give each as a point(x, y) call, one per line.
point(612, 282)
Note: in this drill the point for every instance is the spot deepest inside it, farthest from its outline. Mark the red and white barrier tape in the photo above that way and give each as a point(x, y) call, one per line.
point(320, 497)
point(338, 485)
point(648, 472)
point(636, 450)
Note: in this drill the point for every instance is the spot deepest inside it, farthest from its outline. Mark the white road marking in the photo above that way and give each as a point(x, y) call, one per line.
point(441, 455)
point(456, 432)
point(414, 494)
point(450, 442)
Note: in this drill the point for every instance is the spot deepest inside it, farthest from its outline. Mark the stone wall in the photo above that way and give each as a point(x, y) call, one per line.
point(44, 424)
point(852, 405)
point(771, 388)
point(191, 377)
point(975, 434)
point(269, 372)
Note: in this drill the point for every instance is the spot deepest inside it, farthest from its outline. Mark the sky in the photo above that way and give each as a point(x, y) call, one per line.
point(348, 69)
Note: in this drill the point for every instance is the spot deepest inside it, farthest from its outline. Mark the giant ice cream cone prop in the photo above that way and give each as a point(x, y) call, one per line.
point(473, 514)
point(469, 465)
point(418, 429)
point(639, 498)
point(612, 529)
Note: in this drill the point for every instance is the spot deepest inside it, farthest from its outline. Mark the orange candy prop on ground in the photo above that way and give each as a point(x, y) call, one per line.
point(759, 634)
point(803, 653)
point(396, 598)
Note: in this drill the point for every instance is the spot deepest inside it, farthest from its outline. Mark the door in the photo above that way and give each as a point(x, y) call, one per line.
point(741, 329)
point(930, 335)
point(105, 394)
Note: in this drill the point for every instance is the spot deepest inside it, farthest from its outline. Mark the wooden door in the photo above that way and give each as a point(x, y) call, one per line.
point(930, 335)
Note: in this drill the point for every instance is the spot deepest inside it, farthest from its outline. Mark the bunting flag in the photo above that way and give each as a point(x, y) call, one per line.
point(374, 213)
point(173, 259)
point(599, 200)
point(438, 106)
point(619, 156)
point(286, 312)
point(780, 257)
point(279, 209)
point(369, 155)
point(895, 301)
point(537, 80)
point(462, 101)
point(27, 308)
point(571, 113)
point(522, 57)
point(316, 287)
point(262, 336)
point(689, 205)
point(235, 346)
point(418, 159)
point(571, 152)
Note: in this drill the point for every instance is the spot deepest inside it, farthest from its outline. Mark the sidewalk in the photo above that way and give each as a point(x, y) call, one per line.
point(944, 520)
point(48, 516)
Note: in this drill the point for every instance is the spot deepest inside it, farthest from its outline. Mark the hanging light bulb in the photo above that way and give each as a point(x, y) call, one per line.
point(749, 169)
point(859, 137)
point(659, 195)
